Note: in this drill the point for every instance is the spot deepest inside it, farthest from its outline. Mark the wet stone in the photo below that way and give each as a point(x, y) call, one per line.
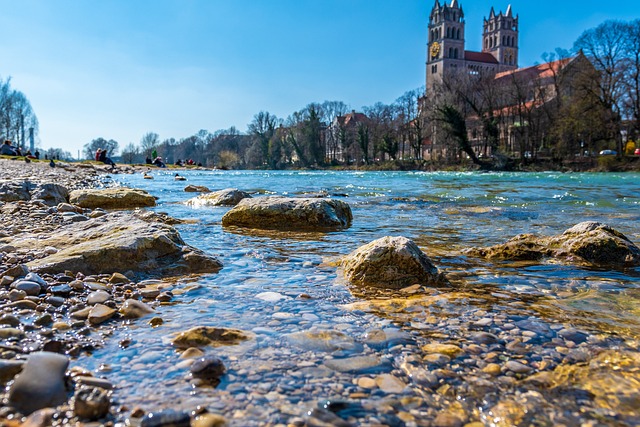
point(63, 290)
point(207, 368)
point(166, 418)
point(41, 383)
point(9, 369)
point(91, 403)
point(9, 319)
point(359, 364)
point(29, 287)
point(100, 313)
point(574, 335)
point(98, 297)
point(484, 338)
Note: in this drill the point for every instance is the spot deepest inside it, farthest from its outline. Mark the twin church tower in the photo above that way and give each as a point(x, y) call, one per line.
point(445, 48)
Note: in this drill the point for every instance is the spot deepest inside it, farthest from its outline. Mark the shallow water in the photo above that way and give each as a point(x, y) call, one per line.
point(276, 377)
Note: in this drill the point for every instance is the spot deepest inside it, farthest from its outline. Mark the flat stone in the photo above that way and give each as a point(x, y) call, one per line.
point(359, 364)
point(283, 213)
point(134, 309)
point(100, 313)
point(202, 336)
point(112, 198)
point(390, 383)
point(98, 297)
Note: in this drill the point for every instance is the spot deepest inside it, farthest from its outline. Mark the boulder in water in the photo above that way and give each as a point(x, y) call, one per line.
point(588, 242)
point(226, 197)
point(286, 213)
point(390, 263)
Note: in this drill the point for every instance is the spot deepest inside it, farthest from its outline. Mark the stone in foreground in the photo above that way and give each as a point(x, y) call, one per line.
point(111, 198)
point(390, 263)
point(284, 213)
point(118, 242)
point(41, 383)
point(226, 197)
point(587, 242)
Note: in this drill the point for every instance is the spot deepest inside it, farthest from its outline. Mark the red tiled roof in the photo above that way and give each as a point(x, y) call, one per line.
point(480, 57)
point(542, 71)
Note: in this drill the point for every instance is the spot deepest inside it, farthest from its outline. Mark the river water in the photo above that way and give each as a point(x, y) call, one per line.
point(572, 329)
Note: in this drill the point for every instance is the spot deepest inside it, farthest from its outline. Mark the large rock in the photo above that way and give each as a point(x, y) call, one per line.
point(587, 242)
point(226, 197)
point(390, 263)
point(118, 242)
point(13, 191)
point(111, 198)
point(282, 213)
point(51, 193)
point(41, 383)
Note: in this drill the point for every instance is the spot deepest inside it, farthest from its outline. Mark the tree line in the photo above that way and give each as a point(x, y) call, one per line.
point(16, 115)
point(585, 100)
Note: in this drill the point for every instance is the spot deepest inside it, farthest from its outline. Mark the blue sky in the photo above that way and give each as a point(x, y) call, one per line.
point(120, 68)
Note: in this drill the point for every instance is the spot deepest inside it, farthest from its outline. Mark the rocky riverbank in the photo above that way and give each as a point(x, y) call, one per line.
point(66, 269)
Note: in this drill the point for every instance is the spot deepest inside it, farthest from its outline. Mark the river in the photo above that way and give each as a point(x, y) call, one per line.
point(318, 341)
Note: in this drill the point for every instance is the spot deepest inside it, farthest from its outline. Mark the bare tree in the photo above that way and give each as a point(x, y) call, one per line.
point(604, 46)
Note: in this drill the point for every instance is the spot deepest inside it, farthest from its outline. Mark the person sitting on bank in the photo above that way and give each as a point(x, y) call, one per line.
point(106, 160)
point(159, 163)
point(7, 149)
point(98, 154)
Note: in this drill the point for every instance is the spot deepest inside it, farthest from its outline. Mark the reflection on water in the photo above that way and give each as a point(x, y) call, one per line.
point(506, 344)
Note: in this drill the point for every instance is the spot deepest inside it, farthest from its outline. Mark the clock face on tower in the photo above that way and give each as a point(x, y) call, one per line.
point(435, 49)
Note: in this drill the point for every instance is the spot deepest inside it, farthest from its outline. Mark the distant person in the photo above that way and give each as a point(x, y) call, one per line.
point(104, 159)
point(46, 157)
point(7, 149)
point(52, 163)
point(37, 155)
point(98, 154)
point(159, 163)
point(148, 160)
point(178, 163)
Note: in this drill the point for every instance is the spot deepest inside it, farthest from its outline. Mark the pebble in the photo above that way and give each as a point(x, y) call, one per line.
point(390, 383)
point(98, 297)
point(100, 313)
point(91, 403)
point(518, 367)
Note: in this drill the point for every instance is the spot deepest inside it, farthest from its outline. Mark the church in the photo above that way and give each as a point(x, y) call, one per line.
point(446, 43)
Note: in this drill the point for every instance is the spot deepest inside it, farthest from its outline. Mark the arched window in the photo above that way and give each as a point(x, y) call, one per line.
point(486, 43)
point(448, 33)
point(450, 53)
point(458, 37)
point(455, 53)
point(504, 40)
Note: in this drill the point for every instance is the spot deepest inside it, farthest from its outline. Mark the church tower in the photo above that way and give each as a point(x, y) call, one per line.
point(500, 38)
point(445, 48)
